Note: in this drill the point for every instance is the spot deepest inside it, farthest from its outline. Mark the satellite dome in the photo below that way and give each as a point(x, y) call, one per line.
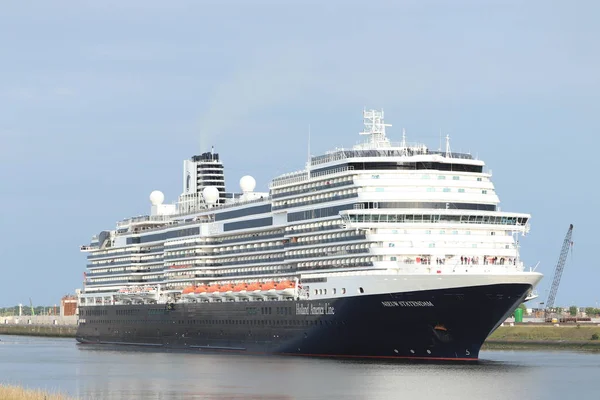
point(210, 194)
point(247, 184)
point(157, 197)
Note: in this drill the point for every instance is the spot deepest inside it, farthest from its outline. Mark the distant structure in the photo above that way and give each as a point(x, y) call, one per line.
point(560, 266)
point(68, 306)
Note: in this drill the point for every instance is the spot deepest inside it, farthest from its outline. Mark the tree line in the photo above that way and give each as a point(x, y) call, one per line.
point(26, 310)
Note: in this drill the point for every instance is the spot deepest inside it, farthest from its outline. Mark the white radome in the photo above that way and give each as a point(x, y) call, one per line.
point(210, 194)
point(247, 184)
point(157, 197)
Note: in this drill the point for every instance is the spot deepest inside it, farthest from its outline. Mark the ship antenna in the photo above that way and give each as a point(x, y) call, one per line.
point(375, 129)
point(448, 152)
point(403, 145)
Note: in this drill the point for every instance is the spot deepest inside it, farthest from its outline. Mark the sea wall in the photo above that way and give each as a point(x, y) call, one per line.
point(39, 325)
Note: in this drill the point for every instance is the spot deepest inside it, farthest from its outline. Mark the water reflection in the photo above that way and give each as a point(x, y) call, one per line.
point(125, 373)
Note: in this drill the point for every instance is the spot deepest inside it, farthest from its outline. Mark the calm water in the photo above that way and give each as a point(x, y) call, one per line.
point(92, 373)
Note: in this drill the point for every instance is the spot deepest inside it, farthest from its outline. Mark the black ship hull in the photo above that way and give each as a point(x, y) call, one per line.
point(443, 324)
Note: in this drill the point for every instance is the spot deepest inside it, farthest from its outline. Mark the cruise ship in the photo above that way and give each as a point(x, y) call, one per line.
point(382, 250)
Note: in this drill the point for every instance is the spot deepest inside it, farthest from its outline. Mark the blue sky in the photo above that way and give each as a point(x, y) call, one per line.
point(101, 101)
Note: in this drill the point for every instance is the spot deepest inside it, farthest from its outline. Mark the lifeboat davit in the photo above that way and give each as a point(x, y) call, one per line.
point(148, 292)
point(285, 288)
point(122, 293)
point(241, 290)
point(136, 292)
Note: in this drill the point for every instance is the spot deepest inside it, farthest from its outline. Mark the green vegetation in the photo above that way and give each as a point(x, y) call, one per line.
point(26, 310)
point(573, 311)
point(544, 332)
point(524, 308)
point(8, 392)
point(570, 337)
point(592, 312)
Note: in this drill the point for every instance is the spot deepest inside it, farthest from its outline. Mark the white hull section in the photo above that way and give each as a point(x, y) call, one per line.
point(340, 286)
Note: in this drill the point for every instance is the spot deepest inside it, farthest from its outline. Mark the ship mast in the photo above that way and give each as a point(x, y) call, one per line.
point(375, 128)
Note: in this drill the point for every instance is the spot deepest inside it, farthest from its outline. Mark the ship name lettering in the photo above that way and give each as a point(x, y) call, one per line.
point(407, 304)
point(310, 309)
point(301, 310)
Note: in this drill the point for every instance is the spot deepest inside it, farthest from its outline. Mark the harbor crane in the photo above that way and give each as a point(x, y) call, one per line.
point(560, 266)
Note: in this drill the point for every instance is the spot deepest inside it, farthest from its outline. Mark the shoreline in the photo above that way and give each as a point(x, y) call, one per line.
point(13, 392)
point(63, 331)
point(544, 337)
point(491, 344)
point(518, 337)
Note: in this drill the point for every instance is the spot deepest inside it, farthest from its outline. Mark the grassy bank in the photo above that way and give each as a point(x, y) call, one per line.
point(8, 392)
point(39, 330)
point(569, 337)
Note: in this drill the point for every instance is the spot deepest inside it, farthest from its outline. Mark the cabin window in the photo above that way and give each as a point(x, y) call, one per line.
point(361, 290)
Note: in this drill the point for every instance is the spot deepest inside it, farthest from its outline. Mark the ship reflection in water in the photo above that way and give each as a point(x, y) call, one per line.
point(96, 372)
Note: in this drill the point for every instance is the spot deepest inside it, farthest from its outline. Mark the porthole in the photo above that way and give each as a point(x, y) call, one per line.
point(361, 290)
point(343, 290)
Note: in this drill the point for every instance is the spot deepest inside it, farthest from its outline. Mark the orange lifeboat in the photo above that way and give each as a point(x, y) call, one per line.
point(285, 288)
point(226, 290)
point(188, 290)
point(200, 291)
point(240, 287)
point(268, 288)
point(241, 290)
point(254, 290)
point(213, 290)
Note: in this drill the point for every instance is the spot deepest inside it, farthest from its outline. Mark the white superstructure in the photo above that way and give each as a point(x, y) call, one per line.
point(376, 217)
